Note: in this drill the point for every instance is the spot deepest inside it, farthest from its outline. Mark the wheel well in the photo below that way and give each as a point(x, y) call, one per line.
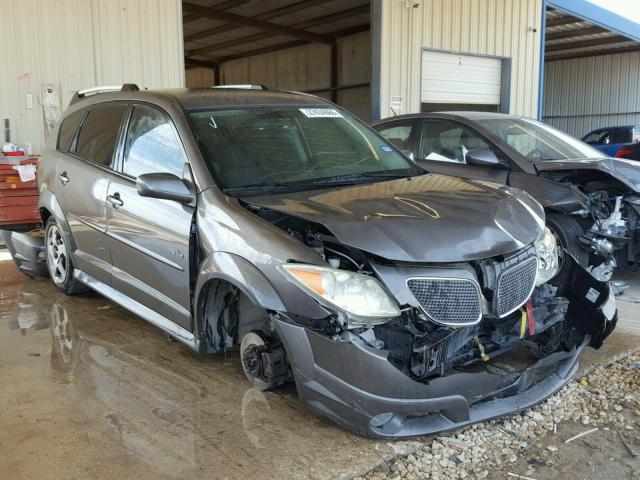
point(44, 215)
point(227, 315)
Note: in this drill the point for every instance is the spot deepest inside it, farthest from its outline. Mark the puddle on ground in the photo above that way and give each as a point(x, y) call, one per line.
point(95, 389)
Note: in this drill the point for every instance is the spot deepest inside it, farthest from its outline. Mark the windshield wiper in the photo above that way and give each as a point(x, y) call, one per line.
point(351, 178)
point(335, 181)
point(261, 188)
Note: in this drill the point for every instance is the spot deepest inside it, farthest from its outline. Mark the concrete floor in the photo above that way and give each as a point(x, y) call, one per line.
point(88, 390)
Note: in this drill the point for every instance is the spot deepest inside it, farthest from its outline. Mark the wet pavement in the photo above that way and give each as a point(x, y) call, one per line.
point(88, 390)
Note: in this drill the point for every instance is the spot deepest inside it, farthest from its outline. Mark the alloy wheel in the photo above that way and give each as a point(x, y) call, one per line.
point(57, 255)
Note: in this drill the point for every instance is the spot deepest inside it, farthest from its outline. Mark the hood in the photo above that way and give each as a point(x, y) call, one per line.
point(625, 171)
point(431, 218)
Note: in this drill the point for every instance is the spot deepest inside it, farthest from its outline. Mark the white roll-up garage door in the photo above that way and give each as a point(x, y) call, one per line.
point(464, 79)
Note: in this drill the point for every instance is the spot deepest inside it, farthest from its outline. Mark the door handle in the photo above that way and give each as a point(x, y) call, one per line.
point(62, 177)
point(115, 200)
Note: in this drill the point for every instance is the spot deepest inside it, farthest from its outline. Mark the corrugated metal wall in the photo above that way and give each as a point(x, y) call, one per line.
point(502, 28)
point(74, 44)
point(354, 67)
point(308, 68)
point(587, 93)
point(200, 77)
point(300, 68)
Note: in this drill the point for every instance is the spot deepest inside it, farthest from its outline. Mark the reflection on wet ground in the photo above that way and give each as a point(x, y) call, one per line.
point(89, 390)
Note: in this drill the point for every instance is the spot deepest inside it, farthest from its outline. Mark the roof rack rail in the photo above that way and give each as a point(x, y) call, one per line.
point(126, 87)
point(245, 86)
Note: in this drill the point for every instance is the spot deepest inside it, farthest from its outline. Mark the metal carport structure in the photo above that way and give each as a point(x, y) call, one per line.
point(590, 75)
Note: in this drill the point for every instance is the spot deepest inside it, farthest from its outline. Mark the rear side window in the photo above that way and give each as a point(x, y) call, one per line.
point(68, 130)
point(398, 133)
point(152, 145)
point(99, 133)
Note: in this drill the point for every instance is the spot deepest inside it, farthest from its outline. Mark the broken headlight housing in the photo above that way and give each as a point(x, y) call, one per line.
point(361, 297)
point(547, 251)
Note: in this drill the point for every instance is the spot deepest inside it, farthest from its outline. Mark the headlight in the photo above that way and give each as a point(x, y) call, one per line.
point(547, 251)
point(353, 293)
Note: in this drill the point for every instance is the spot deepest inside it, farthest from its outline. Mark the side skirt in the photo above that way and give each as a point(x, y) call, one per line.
point(176, 331)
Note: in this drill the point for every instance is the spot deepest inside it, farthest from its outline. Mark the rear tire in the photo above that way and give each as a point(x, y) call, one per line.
point(567, 230)
point(59, 261)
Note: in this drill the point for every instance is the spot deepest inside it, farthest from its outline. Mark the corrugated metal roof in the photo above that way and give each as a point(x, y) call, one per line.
point(208, 39)
point(569, 37)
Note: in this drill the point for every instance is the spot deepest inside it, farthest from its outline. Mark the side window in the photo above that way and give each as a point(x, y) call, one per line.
point(593, 137)
point(152, 145)
point(68, 130)
point(606, 137)
point(399, 134)
point(99, 133)
point(447, 141)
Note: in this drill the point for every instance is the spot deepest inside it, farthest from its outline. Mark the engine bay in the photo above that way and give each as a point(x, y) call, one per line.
point(611, 223)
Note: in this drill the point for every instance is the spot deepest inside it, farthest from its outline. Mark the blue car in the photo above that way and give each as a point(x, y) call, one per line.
point(611, 139)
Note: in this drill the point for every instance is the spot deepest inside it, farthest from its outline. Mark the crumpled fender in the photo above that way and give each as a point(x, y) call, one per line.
point(239, 272)
point(563, 198)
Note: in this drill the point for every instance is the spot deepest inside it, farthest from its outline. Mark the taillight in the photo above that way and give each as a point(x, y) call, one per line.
point(624, 152)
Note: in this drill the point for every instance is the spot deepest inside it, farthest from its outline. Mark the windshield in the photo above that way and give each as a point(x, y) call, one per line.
point(253, 151)
point(538, 141)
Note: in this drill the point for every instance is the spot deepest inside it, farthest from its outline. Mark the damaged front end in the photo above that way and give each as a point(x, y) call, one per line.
point(470, 341)
point(611, 223)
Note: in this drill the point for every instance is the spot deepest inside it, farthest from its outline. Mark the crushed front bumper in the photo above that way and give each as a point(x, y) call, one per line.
point(357, 387)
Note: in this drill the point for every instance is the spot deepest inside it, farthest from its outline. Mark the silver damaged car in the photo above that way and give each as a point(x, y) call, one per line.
point(274, 223)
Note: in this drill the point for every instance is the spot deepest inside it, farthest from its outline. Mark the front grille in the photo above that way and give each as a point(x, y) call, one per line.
point(454, 301)
point(515, 285)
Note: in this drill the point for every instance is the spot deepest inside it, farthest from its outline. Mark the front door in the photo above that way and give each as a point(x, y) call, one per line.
point(441, 147)
point(149, 238)
point(81, 184)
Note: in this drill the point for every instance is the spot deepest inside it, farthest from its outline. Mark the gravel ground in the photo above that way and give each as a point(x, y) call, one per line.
point(532, 444)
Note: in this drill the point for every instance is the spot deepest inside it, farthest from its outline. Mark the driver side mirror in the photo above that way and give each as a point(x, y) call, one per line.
point(486, 158)
point(165, 186)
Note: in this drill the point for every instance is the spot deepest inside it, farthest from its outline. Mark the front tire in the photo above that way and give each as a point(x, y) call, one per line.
point(59, 261)
point(567, 230)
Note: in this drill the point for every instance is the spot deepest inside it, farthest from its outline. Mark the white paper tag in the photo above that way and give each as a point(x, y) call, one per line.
point(27, 172)
point(592, 295)
point(321, 113)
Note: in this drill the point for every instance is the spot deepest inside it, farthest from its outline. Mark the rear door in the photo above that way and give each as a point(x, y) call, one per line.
point(82, 181)
point(149, 238)
point(441, 146)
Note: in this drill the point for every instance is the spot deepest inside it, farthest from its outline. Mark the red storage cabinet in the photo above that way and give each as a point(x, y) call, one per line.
point(18, 200)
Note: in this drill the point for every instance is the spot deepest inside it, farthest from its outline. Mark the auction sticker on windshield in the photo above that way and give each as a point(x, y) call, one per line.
point(321, 113)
